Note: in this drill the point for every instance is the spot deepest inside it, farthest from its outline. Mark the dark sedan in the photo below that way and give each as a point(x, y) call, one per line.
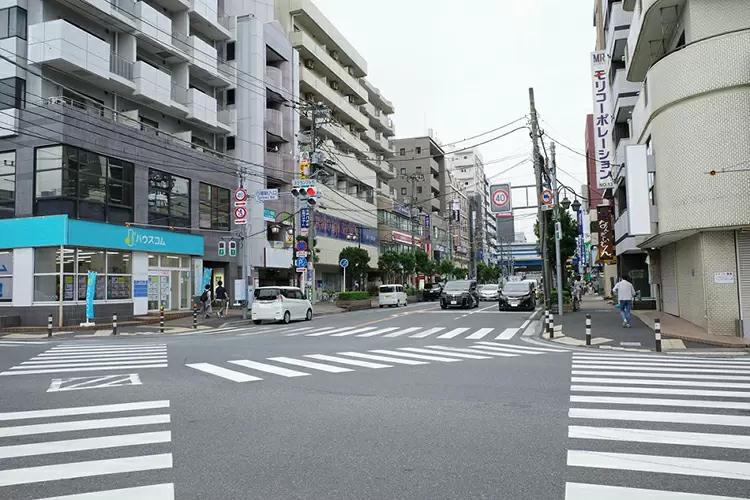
point(459, 293)
point(517, 295)
point(432, 291)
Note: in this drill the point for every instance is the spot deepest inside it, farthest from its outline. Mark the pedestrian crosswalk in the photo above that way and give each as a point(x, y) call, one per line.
point(60, 449)
point(350, 361)
point(18, 343)
point(681, 418)
point(414, 332)
point(67, 358)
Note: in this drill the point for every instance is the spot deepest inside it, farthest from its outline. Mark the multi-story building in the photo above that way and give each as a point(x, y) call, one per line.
point(468, 170)
point(353, 135)
point(122, 149)
point(490, 224)
point(689, 120)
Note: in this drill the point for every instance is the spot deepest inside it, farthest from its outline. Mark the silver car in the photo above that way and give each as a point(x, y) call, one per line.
point(489, 292)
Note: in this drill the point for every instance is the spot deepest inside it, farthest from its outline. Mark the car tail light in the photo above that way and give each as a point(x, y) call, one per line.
point(280, 298)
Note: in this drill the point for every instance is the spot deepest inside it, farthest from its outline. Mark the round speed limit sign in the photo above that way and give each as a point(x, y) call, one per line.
point(500, 198)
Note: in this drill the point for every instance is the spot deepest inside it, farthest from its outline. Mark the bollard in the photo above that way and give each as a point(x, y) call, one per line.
point(588, 329)
point(546, 321)
point(657, 333)
point(161, 319)
point(114, 323)
point(195, 316)
point(551, 326)
point(49, 326)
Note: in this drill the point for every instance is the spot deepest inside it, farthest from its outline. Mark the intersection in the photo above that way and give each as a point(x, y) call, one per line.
point(418, 403)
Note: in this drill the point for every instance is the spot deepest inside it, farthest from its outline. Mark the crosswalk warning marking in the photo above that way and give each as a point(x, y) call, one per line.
point(276, 370)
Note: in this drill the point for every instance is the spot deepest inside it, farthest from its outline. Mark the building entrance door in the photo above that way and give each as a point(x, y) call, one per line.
point(160, 291)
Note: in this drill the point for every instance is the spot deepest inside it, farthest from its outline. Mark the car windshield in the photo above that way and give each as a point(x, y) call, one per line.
point(387, 289)
point(267, 293)
point(456, 286)
point(431, 286)
point(490, 288)
point(516, 287)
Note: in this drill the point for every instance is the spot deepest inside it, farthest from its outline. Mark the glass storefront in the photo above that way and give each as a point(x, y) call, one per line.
point(170, 282)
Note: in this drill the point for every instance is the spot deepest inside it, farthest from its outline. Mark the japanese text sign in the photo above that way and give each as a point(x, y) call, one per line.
point(602, 120)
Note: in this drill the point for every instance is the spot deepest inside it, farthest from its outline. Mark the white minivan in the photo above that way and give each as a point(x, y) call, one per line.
point(391, 295)
point(280, 303)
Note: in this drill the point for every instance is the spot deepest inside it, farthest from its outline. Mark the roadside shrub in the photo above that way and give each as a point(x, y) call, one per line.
point(347, 296)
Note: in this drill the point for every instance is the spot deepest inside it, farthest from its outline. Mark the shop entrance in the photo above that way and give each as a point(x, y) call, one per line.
point(170, 287)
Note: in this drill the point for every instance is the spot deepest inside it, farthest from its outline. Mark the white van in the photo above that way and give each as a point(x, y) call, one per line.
point(280, 303)
point(391, 295)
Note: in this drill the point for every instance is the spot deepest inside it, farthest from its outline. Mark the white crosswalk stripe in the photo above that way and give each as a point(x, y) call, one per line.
point(107, 448)
point(403, 332)
point(355, 331)
point(378, 332)
point(311, 365)
point(522, 347)
point(21, 342)
point(345, 361)
point(658, 402)
point(427, 333)
point(453, 333)
point(507, 334)
point(276, 370)
point(321, 331)
point(415, 332)
point(474, 351)
point(415, 356)
point(480, 334)
point(92, 358)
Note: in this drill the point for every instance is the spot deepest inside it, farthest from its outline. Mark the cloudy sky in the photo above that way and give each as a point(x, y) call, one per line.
point(463, 68)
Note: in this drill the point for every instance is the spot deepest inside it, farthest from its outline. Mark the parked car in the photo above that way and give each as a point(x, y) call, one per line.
point(459, 293)
point(280, 303)
point(392, 295)
point(489, 292)
point(517, 295)
point(432, 291)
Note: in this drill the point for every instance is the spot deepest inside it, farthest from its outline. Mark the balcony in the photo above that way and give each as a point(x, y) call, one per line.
point(274, 124)
point(434, 184)
point(378, 98)
point(119, 14)
point(204, 17)
point(174, 5)
point(389, 130)
point(155, 33)
point(228, 117)
point(152, 83)
point(327, 66)
point(434, 166)
point(9, 122)
point(67, 48)
point(281, 167)
point(201, 107)
point(619, 164)
point(350, 167)
point(311, 82)
point(341, 135)
point(652, 29)
point(205, 63)
point(624, 95)
point(617, 32)
point(275, 90)
point(386, 169)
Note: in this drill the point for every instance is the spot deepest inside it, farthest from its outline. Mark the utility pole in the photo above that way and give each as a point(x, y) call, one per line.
point(558, 229)
point(541, 215)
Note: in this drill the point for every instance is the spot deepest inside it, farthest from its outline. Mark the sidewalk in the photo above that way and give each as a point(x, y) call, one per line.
point(678, 328)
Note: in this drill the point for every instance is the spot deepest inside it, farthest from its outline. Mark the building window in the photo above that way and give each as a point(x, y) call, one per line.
point(6, 276)
point(168, 199)
point(419, 189)
point(403, 171)
point(83, 185)
point(113, 268)
point(418, 150)
point(12, 93)
point(214, 207)
point(403, 191)
point(148, 123)
point(230, 51)
point(230, 97)
point(7, 185)
point(402, 152)
point(230, 143)
point(13, 22)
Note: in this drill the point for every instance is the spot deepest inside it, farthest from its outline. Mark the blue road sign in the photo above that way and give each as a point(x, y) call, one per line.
point(344, 263)
point(301, 261)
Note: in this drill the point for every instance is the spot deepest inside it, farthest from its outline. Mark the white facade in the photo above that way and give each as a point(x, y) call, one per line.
point(468, 171)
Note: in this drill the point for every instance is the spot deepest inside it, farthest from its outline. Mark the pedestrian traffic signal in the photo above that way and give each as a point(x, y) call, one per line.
point(232, 248)
point(222, 248)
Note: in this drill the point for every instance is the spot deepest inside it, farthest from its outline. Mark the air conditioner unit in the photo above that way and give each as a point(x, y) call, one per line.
point(351, 99)
point(351, 128)
point(350, 70)
point(335, 54)
point(309, 64)
point(335, 85)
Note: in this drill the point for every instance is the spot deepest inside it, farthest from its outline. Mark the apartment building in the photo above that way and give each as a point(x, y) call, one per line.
point(123, 130)
point(354, 135)
point(688, 58)
point(468, 170)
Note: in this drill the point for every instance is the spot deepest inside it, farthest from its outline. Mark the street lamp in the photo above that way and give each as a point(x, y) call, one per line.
point(576, 205)
point(565, 203)
point(354, 237)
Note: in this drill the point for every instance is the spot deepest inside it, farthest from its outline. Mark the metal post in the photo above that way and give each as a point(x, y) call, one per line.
point(114, 323)
point(161, 319)
point(195, 316)
point(558, 264)
point(657, 334)
point(551, 325)
point(546, 320)
point(541, 215)
point(343, 281)
point(49, 326)
point(588, 329)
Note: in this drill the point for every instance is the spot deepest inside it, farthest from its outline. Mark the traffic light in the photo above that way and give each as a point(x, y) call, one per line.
point(222, 248)
point(310, 194)
point(232, 248)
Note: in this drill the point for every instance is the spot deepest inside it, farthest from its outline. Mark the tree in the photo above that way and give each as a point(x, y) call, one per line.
point(445, 268)
point(568, 243)
point(359, 263)
point(407, 264)
point(423, 264)
point(389, 265)
point(460, 273)
point(483, 272)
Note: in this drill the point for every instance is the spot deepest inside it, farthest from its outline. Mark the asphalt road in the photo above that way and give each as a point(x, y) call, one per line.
point(409, 403)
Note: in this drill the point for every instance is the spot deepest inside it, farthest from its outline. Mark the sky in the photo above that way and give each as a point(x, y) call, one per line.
point(464, 68)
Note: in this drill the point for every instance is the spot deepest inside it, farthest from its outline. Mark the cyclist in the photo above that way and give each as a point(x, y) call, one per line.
point(223, 299)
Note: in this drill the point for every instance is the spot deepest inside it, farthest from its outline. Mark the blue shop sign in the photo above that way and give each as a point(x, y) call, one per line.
point(333, 227)
point(58, 230)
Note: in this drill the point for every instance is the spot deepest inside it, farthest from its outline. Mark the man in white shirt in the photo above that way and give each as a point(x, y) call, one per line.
point(625, 293)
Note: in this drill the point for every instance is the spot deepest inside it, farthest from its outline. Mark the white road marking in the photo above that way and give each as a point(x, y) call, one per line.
point(21, 342)
point(525, 324)
point(355, 331)
point(415, 356)
point(64, 364)
point(276, 370)
point(732, 441)
point(328, 332)
point(432, 352)
point(404, 332)
point(311, 365)
point(660, 464)
point(524, 348)
point(82, 425)
point(96, 357)
point(659, 390)
point(344, 361)
point(692, 383)
point(646, 374)
point(86, 369)
point(386, 359)
point(581, 491)
point(427, 333)
point(688, 403)
point(654, 368)
point(658, 416)
point(453, 333)
point(112, 348)
point(661, 359)
point(378, 332)
point(489, 349)
point(10, 477)
point(479, 334)
point(73, 445)
point(83, 383)
point(318, 330)
point(474, 351)
point(507, 334)
point(223, 372)
point(84, 410)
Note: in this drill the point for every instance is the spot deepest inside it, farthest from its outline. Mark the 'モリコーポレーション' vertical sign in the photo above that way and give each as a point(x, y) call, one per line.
point(602, 121)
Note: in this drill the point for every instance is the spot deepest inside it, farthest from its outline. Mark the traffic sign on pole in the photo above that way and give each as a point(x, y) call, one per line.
point(301, 262)
point(546, 197)
point(500, 198)
point(344, 263)
point(301, 246)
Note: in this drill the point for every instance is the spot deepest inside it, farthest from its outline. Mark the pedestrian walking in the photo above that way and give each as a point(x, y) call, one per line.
point(223, 299)
point(206, 302)
point(625, 293)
